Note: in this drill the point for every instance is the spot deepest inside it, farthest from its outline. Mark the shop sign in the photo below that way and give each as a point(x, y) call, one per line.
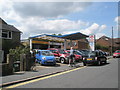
point(50, 38)
point(54, 43)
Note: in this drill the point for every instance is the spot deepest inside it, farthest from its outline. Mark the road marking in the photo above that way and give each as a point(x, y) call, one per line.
point(35, 80)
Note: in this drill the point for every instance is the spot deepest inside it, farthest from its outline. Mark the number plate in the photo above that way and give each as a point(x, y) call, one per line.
point(49, 61)
point(89, 58)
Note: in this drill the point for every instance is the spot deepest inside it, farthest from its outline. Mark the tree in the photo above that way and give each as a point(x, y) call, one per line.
point(100, 47)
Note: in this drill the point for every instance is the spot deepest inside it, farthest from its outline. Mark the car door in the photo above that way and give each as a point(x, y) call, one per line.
point(102, 56)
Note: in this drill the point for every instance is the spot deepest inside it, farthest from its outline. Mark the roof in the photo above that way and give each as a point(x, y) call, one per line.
point(74, 36)
point(9, 28)
point(5, 26)
point(43, 35)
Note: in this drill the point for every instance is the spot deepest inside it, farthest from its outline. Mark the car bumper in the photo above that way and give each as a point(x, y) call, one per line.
point(48, 62)
point(116, 55)
point(90, 61)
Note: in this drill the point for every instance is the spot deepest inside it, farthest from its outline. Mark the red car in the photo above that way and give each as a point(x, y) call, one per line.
point(77, 54)
point(116, 54)
point(60, 55)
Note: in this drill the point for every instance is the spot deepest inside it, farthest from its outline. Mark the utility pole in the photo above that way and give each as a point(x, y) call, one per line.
point(112, 46)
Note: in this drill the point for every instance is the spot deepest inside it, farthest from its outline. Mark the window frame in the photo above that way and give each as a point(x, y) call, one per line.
point(9, 34)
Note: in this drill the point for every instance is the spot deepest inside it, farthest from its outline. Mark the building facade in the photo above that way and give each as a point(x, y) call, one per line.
point(9, 38)
point(109, 43)
point(45, 41)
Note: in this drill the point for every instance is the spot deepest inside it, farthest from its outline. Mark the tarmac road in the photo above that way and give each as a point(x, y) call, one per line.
point(105, 76)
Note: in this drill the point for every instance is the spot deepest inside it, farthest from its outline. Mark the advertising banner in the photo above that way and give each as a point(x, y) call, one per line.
point(92, 42)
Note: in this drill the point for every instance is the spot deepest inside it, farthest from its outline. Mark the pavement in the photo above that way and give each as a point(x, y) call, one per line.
point(40, 70)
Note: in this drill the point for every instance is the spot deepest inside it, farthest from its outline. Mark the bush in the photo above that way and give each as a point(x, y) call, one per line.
point(101, 47)
point(19, 50)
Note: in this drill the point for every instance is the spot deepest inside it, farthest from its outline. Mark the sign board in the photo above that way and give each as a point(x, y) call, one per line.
point(44, 37)
point(1, 56)
point(92, 42)
point(54, 43)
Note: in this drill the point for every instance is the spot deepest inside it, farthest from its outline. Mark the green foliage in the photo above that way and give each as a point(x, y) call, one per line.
point(59, 34)
point(19, 50)
point(101, 47)
point(54, 34)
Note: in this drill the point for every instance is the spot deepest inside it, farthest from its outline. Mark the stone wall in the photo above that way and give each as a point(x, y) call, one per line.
point(26, 62)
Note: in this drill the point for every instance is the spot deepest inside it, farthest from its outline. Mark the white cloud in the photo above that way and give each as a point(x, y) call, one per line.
point(90, 30)
point(48, 9)
point(102, 27)
point(37, 18)
point(38, 26)
point(98, 35)
point(117, 19)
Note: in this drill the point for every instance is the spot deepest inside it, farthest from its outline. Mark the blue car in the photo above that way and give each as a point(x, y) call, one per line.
point(45, 57)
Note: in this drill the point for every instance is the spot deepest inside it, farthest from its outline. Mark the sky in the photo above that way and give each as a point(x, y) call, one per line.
point(34, 18)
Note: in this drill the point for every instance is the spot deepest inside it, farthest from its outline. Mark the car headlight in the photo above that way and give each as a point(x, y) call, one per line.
point(62, 55)
point(83, 58)
point(43, 58)
point(96, 58)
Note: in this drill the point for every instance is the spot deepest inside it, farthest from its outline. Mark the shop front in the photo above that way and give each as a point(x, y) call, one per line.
point(45, 42)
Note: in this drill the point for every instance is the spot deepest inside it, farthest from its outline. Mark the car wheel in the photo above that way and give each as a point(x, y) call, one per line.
point(62, 60)
point(99, 63)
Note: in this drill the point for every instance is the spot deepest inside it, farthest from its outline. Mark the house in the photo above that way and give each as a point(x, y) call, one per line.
point(107, 42)
point(9, 38)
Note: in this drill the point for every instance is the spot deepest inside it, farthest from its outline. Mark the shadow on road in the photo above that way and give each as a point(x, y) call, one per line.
point(103, 64)
point(57, 65)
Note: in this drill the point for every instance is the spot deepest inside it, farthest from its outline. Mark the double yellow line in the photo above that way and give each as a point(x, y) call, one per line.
point(35, 80)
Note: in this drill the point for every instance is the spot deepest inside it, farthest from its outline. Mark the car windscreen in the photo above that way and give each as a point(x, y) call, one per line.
point(117, 51)
point(77, 53)
point(53, 51)
point(90, 53)
point(62, 52)
point(47, 53)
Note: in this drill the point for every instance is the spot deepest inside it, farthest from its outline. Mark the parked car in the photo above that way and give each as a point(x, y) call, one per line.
point(78, 55)
point(116, 54)
point(60, 55)
point(45, 57)
point(94, 57)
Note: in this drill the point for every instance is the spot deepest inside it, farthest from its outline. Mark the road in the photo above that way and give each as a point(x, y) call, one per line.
point(105, 76)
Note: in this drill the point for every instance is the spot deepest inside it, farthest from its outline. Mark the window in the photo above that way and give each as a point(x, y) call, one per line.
point(7, 34)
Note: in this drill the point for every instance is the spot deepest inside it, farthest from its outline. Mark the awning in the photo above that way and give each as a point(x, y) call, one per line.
point(74, 36)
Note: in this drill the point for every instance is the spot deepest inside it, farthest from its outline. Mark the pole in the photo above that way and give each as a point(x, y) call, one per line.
point(112, 42)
